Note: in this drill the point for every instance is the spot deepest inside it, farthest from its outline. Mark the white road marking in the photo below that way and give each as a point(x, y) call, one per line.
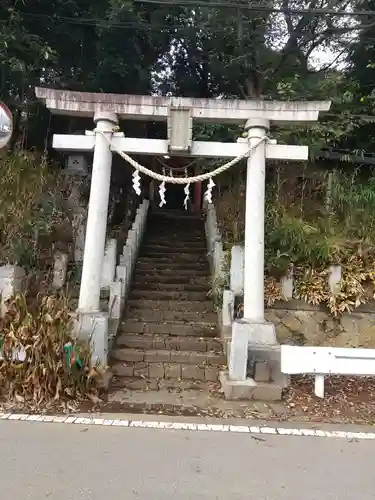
point(184, 426)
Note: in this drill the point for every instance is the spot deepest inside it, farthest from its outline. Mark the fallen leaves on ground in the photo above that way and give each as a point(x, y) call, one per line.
point(347, 399)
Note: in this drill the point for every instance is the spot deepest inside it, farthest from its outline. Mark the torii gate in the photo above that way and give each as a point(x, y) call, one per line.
point(179, 113)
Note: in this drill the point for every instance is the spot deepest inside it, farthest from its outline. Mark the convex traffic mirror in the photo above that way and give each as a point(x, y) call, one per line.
point(6, 125)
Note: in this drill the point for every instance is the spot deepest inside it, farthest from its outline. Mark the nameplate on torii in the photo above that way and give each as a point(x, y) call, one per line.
point(160, 147)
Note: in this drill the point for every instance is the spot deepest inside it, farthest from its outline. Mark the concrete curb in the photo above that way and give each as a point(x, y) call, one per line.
point(252, 430)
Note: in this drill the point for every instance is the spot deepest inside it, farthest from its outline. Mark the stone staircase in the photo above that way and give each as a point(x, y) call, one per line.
point(167, 340)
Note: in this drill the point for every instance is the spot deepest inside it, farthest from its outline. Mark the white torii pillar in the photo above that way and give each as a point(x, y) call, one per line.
point(252, 329)
point(96, 229)
point(92, 323)
point(254, 223)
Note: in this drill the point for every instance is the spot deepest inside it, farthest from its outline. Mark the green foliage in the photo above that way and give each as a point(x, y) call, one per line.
point(32, 205)
point(92, 46)
point(333, 128)
point(123, 47)
point(216, 132)
point(304, 227)
point(321, 237)
point(75, 273)
point(292, 239)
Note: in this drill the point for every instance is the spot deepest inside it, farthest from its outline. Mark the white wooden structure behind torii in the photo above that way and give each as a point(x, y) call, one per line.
point(179, 114)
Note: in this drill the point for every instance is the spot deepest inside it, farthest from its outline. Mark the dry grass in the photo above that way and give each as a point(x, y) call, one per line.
point(52, 366)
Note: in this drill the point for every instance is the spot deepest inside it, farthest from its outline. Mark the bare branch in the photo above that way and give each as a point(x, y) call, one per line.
point(314, 45)
point(287, 16)
point(329, 66)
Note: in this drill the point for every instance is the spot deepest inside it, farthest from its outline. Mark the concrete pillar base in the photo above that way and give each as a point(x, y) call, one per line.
point(93, 327)
point(243, 334)
point(264, 364)
point(256, 333)
point(236, 389)
point(249, 389)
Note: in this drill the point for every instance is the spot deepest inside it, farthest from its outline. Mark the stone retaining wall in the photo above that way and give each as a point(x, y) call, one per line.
point(301, 324)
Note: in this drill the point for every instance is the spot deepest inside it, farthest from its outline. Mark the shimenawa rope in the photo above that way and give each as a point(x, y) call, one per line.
point(181, 180)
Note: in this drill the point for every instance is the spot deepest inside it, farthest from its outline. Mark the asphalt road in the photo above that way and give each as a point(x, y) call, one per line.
point(72, 462)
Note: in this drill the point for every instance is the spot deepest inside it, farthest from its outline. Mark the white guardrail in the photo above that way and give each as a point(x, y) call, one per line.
point(321, 361)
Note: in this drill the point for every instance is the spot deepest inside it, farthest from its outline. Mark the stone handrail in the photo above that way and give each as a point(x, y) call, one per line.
point(216, 254)
point(119, 288)
point(109, 264)
point(217, 257)
point(122, 272)
point(287, 281)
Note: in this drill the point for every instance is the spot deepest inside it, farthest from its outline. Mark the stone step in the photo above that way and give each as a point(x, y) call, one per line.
point(169, 328)
point(169, 212)
point(179, 234)
point(197, 402)
point(167, 295)
point(189, 219)
point(187, 343)
point(139, 383)
point(177, 273)
point(170, 315)
point(172, 305)
point(149, 265)
point(177, 223)
point(149, 356)
point(188, 403)
point(171, 249)
point(194, 403)
point(144, 285)
point(174, 257)
point(176, 241)
point(181, 259)
point(172, 279)
point(168, 370)
point(188, 222)
point(174, 245)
